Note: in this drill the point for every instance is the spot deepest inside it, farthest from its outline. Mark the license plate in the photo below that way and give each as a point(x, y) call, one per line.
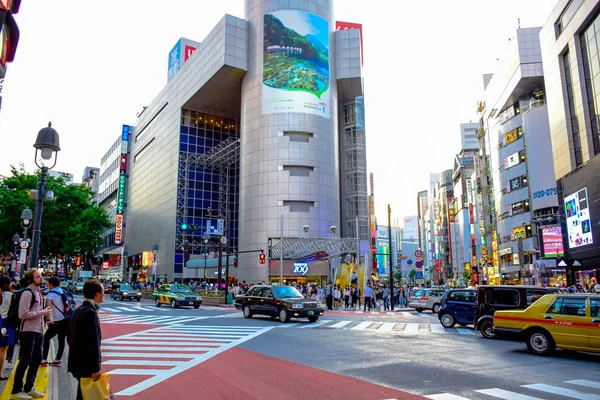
point(311, 313)
point(191, 302)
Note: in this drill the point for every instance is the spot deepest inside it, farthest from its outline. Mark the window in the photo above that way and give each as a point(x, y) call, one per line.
point(574, 306)
point(141, 152)
point(467, 297)
point(572, 121)
point(595, 307)
point(506, 297)
point(531, 296)
point(255, 291)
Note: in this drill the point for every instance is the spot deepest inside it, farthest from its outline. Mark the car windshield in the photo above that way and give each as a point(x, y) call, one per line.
point(286, 292)
point(180, 289)
point(125, 287)
point(79, 284)
point(419, 293)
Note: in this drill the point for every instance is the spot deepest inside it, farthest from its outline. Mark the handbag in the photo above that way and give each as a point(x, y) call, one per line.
point(96, 390)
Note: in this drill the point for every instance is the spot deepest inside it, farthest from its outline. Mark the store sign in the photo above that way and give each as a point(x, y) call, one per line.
point(579, 224)
point(122, 185)
point(516, 208)
point(514, 184)
point(382, 232)
point(506, 114)
point(552, 243)
point(105, 265)
point(511, 160)
point(519, 233)
point(119, 229)
point(510, 136)
point(121, 194)
point(300, 268)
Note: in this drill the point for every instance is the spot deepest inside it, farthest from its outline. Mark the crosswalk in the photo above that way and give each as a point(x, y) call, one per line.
point(147, 353)
point(582, 389)
point(351, 325)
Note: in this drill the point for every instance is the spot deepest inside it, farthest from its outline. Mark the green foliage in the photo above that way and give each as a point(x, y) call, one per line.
point(412, 273)
point(72, 224)
point(468, 276)
point(398, 278)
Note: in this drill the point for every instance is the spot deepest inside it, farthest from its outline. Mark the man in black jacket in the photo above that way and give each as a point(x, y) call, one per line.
point(85, 336)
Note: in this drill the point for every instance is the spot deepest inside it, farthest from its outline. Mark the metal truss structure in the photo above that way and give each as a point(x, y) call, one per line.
point(300, 248)
point(221, 158)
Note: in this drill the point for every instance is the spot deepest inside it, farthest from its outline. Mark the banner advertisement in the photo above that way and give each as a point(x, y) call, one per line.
point(552, 243)
point(579, 225)
point(296, 63)
point(122, 185)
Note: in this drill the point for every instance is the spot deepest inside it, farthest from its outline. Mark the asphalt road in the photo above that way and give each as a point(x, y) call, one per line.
point(165, 353)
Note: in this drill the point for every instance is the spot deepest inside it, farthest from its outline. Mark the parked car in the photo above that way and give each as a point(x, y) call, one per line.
point(426, 299)
point(570, 321)
point(176, 295)
point(125, 291)
point(78, 288)
point(457, 307)
point(283, 302)
point(504, 297)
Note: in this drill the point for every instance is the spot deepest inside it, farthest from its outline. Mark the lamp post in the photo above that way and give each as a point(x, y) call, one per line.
point(13, 265)
point(26, 217)
point(47, 145)
point(154, 252)
point(205, 256)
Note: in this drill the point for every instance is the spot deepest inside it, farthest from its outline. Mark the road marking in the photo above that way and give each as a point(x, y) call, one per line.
point(375, 312)
point(424, 315)
point(143, 362)
point(388, 326)
point(314, 324)
point(149, 308)
point(437, 329)
point(390, 313)
point(506, 395)
point(362, 326)
point(340, 324)
point(411, 328)
point(155, 342)
point(446, 396)
point(574, 394)
point(586, 383)
point(151, 355)
point(465, 331)
point(109, 309)
point(162, 375)
point(358, 312)
point(154, 348)
point(127, 309)
point(406, 314)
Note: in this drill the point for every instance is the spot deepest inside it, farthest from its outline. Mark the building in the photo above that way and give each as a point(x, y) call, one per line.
point(65, 175)
point(443, 255)
point(569, 50)
point(231, 148)
point(517, 172)
point(91, 178)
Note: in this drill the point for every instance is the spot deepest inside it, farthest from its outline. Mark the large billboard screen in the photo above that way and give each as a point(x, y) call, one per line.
point(552, 241)
point(579, 224)
point(296, 63)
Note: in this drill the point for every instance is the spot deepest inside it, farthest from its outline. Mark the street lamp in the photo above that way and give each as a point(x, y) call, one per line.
point(15, 240)
point(154, 252)
point(205, 256)
point(47, 146)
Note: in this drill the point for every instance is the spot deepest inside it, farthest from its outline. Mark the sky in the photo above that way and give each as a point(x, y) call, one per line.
point(90, 69)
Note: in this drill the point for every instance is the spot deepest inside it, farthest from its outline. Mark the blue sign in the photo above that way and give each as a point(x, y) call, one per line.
point(409, 261)
point(419, 264)
point(174, 60)
point(419, 275)
point(300, 268)
point(125, 134)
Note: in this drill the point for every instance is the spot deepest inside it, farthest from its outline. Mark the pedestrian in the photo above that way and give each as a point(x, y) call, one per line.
point(85, 336)
point(368, 293)
point(57, 325)
point(385, 294)
point(8, 333)
point(337, 295)
point(31, 339)
point(347, 297)
point(329, 296)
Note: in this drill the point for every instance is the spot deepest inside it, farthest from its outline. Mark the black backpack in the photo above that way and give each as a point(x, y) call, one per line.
point(12, 319)
point(68, 304)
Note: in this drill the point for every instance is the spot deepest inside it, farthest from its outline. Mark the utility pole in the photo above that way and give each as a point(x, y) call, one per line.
point(391, 262)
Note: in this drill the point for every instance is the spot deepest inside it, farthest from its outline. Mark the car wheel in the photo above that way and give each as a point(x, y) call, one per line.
point(173, 304)
point(447, 320)
point(418, 309)
point(121, 298)
point(436, 308)
point(247, 312)
point(313, 319)
point(157, 302)
point(487, 329)
point(197, 306)
point(139, 298)
point(283, 315)
point(540, 343)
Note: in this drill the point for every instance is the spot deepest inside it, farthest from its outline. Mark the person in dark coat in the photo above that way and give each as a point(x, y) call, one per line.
point(85, 336)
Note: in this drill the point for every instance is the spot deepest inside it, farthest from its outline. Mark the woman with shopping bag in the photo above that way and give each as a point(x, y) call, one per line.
point(84, 345)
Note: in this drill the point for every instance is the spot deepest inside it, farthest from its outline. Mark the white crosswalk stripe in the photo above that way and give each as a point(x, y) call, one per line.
point(362, 326)
point(411, 328)
point(147, 319)
point(340, 324)
point(388, 326)
point(544, 389)
point(177, 347)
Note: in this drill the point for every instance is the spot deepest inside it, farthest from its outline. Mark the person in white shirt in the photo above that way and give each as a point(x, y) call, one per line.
point(347, 297)
point(337, 295)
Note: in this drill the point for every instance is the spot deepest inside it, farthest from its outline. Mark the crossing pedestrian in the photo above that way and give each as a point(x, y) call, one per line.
point(57, 325)
point(329, 295)
point(85, 336)
point(368, 293)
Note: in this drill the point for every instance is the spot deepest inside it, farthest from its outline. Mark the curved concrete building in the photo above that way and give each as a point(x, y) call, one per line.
point(288, 159)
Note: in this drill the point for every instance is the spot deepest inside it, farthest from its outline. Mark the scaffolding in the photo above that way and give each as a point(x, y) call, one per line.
point(220, 158)
point(302, 248)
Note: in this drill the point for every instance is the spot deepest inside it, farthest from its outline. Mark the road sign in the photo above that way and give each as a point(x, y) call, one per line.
point(23, 256)
point(420, 281)
point(419, 275)
point(418, 253)
point(419, 264)
point(24, 244)
point(154, 264)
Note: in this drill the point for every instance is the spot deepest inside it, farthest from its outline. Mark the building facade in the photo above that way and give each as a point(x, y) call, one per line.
point(91, 178)
point(569, 43)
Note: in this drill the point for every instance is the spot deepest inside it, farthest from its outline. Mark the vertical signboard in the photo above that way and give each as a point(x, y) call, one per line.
point(183, 49)
point(579, 224)
point(296, 63)
point(122, 185)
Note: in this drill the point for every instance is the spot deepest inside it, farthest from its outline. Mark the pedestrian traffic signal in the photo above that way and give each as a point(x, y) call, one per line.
point(235, 262)
point(188, 227)
point(262, 258)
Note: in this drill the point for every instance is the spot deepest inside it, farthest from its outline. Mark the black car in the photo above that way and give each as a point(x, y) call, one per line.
point(504, 297)
point(283, 302)
point(125, 291)
point(457, 307)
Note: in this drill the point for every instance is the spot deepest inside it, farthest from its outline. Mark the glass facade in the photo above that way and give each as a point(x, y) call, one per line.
point(591, 70)
point(199, 134)
point(572, 119)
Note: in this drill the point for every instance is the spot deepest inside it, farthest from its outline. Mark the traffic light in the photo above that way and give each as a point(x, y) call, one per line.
point(262, 259)
point(9, 33)
point(235, 262)
point(188, 227)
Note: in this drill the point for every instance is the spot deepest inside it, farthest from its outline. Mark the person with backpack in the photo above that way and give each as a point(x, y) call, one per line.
point(31, 314)
point(61, 315)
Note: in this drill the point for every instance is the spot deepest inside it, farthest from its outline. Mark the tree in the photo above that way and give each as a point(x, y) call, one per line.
point(398, 278)
point(72, 223)
point(468, 276)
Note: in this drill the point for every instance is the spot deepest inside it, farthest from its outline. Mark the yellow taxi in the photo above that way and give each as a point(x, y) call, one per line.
point(564, 320)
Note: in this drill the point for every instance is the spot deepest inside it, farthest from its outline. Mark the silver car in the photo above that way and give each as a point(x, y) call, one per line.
point(426, 299)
